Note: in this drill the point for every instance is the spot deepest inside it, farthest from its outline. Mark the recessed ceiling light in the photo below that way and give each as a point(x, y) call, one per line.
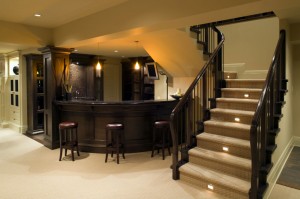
point(116, 51)
point(37, 15)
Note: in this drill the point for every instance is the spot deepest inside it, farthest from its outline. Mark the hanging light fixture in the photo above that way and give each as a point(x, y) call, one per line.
point(98, 66)
point(137, 65)
point(98, 69)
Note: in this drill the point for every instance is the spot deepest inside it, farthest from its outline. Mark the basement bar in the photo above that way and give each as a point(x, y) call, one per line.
point(138, 118)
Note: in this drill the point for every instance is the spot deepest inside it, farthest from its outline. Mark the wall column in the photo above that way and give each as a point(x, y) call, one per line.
point(55, 61)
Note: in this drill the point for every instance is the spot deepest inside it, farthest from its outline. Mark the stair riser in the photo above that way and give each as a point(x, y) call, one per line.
point(223, 190)
point(231, 118)
point(222, 167)
point(233, 150)
point(240, 94)
point(230, 75)
point(230, 132)
point(244, 84)
point(237, 106)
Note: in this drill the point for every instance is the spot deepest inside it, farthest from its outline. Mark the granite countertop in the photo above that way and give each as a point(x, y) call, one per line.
point(96, 102)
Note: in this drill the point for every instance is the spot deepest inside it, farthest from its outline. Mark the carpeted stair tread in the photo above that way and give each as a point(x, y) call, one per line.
point(242, 89)
point(228, 124)
point(235, 100)
point(245, 83)
point(246, 80)
point(229, 115)
point(232, 112)
point(221, 157)
point(227, 141)
point(214, 177)
point(231, 129)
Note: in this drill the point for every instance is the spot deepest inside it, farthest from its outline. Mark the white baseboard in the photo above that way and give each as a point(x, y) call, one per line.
point(277, 168)
point(4, 125)
point(296, 141)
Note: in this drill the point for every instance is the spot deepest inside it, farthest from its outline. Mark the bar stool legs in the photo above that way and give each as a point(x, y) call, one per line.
point(114, 144)
point(161, 140)
point(68, 138)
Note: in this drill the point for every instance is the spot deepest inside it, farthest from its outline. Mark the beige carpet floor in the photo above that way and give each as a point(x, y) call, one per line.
point(28, 170)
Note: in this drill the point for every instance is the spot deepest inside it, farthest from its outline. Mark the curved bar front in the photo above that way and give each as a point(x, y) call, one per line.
point(92, 116)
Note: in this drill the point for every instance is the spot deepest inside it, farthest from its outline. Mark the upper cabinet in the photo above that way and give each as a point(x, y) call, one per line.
point(35, 93)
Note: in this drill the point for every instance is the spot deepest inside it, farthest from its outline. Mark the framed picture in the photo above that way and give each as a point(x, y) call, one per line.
point(151, 69)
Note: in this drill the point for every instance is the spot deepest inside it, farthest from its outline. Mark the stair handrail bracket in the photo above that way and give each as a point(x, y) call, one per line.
point(186, 120)
point(265, 121)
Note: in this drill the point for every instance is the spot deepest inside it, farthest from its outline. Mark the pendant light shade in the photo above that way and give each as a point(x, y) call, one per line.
point(137, 66)
point(98, 69)
point(98, 66)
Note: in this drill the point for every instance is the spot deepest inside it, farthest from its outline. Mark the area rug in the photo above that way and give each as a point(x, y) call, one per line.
point(290, 175)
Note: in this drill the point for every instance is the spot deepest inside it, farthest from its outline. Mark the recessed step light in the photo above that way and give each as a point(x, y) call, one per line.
point(225, 148)
point(37, 15)
point(228, 76)
point(237, 119)
point(210, 186)
point(246, 95)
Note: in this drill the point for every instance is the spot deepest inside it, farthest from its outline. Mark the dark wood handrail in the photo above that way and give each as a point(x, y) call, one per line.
point(187, 97)
point(263, 118)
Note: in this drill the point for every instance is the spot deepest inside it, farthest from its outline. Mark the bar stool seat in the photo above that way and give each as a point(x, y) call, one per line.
point(114, 140)
point(161, 137)
point(68, 138)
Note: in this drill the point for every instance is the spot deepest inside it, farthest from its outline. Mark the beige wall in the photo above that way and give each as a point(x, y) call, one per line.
point(252, 43)
point(295, 89)
point(112, 80)
point(288, 123)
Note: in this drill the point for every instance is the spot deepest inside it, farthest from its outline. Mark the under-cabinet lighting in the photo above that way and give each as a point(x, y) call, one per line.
point(210, 186)
point(237, 119)
point(246, 95)
point(225, 148)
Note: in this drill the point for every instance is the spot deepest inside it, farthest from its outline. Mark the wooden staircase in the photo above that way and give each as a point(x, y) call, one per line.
point(221, 161)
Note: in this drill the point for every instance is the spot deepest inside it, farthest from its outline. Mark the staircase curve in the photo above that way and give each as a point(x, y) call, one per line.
point(224, 128)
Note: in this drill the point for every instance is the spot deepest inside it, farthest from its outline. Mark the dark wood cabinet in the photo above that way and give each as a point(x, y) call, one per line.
point(35, 93)
point(135, 84)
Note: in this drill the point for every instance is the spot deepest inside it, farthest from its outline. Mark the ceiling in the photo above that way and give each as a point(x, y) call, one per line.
point(54, 13)
point(157, 14)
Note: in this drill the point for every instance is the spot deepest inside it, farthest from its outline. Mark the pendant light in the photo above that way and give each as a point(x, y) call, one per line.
point(137, 65)
point(98, 66)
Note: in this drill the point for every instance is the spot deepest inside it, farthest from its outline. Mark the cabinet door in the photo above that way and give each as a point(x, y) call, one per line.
point(14, 92)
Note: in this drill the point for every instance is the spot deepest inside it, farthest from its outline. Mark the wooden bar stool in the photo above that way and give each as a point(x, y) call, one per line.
point(114, 140)
point(68, 138)
point(161, 132)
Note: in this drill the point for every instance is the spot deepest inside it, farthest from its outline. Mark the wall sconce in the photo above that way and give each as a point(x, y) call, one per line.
point(98, 69)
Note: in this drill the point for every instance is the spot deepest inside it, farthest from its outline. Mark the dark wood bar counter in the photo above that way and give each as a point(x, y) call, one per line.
point(137, 116)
